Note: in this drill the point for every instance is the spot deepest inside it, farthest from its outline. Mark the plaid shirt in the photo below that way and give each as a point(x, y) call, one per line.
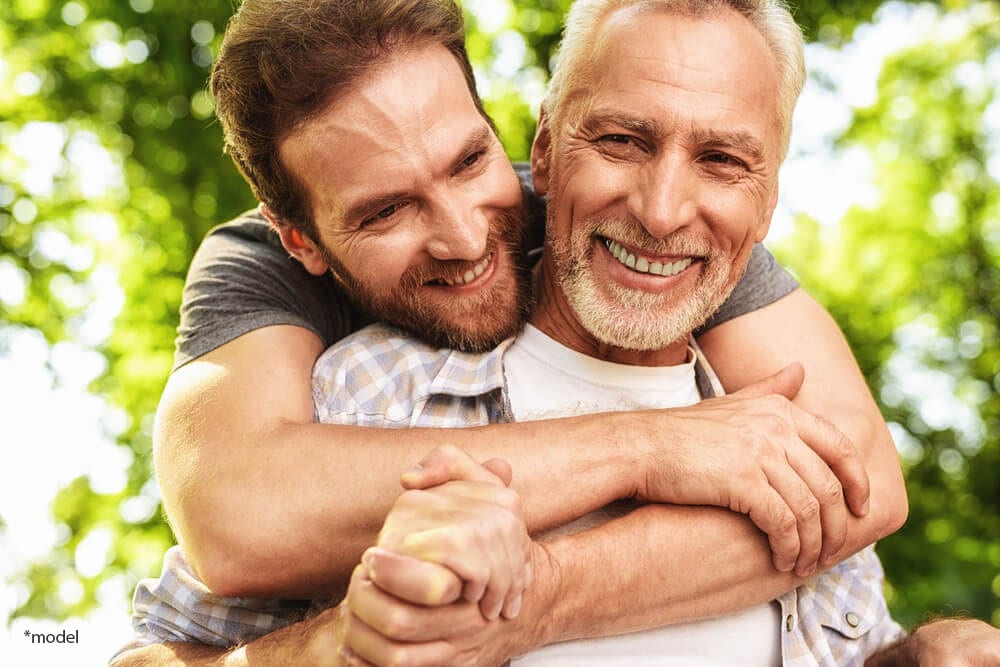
point(379, 377)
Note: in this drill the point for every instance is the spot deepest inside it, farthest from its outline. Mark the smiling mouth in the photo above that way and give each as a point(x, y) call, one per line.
point(643, 265)
point(468, 276)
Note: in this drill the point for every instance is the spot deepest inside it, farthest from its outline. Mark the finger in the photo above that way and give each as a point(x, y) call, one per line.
point(399, 621)
point(501, 468)
point(840, 455)
point(378, 649)
point(411, 579)
point(787, 382)
point(503, 566)
point(771, 514)
point(825, 488)
point(512, 606)
point(446, 463)
point(804, 506)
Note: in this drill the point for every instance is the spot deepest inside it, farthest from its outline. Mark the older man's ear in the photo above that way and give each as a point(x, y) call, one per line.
point(296, 243)
point(765, 224)
point(540, 149)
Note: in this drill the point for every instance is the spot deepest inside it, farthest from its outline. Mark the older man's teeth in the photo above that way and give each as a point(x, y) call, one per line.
point(642, 265)
point(471, 274)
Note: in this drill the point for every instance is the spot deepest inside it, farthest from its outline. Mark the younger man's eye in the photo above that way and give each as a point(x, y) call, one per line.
point(384, 214)
point(472, 159)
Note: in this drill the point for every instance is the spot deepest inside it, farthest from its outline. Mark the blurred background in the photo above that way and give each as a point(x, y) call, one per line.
point(111, 171)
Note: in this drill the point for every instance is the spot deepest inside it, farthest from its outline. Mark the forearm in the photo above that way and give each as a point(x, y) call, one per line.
point(657, 566)
point(273, 542)
point(317, 641)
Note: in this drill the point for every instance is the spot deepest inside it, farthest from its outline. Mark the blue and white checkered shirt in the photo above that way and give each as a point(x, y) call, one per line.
point(380, 377)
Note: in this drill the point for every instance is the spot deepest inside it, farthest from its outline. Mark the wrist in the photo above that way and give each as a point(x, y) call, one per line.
point(536, 625)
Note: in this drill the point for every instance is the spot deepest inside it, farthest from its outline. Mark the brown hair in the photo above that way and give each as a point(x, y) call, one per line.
point(282, 62)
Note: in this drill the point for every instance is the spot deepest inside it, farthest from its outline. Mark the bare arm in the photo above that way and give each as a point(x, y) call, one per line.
point(234, 437)
point(318, 642)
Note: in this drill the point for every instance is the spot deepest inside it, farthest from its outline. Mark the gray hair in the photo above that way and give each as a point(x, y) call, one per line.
point(771, 18)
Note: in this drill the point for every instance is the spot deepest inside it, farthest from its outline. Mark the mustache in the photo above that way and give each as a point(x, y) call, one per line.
point(506, 234)
point(629, 232)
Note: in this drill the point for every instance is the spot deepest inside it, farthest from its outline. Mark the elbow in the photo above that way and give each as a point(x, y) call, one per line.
point(230, 571)
point(890, 502)
point(898, 510)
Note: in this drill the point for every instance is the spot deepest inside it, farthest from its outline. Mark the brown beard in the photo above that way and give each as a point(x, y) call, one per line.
point(475, 323)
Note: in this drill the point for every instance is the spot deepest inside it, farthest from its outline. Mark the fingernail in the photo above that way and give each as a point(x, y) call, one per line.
point(831, 557)
point(515, 607)
point(785, 566)
point(864, 508)
point(807, 572)
point(415, 469)
point(368, 560)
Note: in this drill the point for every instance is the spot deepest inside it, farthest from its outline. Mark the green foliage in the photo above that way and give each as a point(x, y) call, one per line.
point(119, 88)
point(914, 283)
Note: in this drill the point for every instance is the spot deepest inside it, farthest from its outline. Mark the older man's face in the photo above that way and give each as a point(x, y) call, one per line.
point(416, 205)
point(662, 176)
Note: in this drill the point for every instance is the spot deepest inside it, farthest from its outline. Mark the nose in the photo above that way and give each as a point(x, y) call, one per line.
point(457, 228)
point(663, 198)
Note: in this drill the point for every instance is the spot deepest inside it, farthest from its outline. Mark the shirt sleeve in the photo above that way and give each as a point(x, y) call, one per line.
point(763, 283)
point(178, 607)
point(241, 279)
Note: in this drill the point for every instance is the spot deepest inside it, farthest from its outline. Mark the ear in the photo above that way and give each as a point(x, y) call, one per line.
point(298, 245)
point(765, 224)
point(540, 148)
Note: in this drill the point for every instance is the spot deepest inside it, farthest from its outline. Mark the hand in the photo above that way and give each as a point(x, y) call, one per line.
point(759, 454)
point(385, 630)
point(950, 642)
point(471, 525)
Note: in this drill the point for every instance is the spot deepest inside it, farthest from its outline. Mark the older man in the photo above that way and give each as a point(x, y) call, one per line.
point(673, 264)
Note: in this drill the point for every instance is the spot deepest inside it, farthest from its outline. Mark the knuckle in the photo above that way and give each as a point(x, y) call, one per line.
point(397, 625)
point(448, 451)
point(505, 497)
point(776, 426)
point(809, 510)
point(833, 493)
point(787, 522)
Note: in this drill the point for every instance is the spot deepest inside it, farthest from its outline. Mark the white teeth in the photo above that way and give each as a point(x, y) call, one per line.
point(471, 274)
point(642, 265)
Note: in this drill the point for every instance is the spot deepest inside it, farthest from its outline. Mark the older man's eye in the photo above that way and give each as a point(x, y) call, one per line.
point(724, 159)
point(622, 139)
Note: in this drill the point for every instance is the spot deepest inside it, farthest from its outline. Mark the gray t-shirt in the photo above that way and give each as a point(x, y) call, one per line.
point(242, 279)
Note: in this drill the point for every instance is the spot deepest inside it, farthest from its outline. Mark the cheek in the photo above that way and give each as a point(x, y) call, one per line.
point(380, 265)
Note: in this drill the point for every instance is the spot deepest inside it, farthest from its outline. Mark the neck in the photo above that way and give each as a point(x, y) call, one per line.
point(554, 316)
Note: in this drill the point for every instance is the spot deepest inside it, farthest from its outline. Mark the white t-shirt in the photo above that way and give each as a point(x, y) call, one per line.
point(547, 379)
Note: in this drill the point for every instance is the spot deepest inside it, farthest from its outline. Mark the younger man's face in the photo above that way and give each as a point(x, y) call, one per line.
point(417, 207)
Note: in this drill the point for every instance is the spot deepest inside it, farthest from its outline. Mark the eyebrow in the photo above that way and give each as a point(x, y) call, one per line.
point(739, 140)
point(478, 140)
point(644, 126)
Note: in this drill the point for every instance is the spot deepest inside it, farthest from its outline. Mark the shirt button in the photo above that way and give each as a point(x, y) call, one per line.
point(790, 623)
point(852, 619)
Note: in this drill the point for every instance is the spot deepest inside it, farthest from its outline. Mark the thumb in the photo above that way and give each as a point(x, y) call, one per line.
point(444, 464)
point(787, 382)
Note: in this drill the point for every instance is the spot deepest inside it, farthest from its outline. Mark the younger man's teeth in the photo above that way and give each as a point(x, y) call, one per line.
point(642, 265)
point(471, 274)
